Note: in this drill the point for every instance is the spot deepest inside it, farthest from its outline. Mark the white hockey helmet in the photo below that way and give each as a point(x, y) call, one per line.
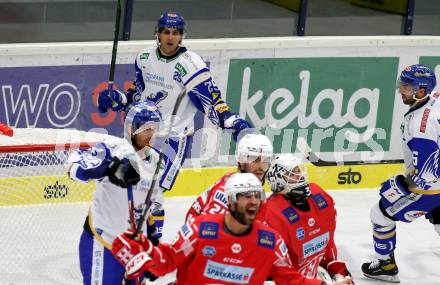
point(252, 146)
point(241, 183)
point(286, 173)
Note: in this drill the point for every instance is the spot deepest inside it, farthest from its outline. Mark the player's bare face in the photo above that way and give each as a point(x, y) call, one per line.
point(169, 39)
point(406, 91)
point(257, 166)
point(247, 206)
point(145, 138)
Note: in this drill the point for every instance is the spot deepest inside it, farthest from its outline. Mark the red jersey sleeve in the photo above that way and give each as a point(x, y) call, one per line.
point(167, 257)
point(331, 252)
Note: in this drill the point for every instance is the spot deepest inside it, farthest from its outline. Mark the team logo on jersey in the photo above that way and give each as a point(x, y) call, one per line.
point(236, 248)
point(283, 248)
point(320, 201)
point(316, 245)
point(208, 251)
point(228, 273)
point(311, 222)
point(266, 239)
point(291, 215)
point(300, 233)
point(209, 230)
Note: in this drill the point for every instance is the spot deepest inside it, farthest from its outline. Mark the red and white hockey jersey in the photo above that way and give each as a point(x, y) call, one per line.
point(309, 236)
point(211, 201)
point(204, 253)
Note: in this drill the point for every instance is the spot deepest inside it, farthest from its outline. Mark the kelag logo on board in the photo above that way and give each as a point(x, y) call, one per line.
point(337, 104)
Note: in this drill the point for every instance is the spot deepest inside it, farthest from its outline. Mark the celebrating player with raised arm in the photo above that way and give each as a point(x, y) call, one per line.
point(162, 73)
point(228, 248)
point(254, 153)
point(121, 168)
point(305, 216)
point(417, 193)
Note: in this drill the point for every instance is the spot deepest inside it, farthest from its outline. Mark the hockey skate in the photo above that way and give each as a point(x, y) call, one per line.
point(382, 269)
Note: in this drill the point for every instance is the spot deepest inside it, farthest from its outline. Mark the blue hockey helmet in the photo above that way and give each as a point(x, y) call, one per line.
point(171, 20)
point(140, 114)
point(418, 76)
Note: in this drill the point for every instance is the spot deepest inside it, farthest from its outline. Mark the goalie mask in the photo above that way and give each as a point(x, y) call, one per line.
point(288, 176)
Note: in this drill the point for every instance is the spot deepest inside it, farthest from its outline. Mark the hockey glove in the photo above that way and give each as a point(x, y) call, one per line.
point(394, 188)
point(122, 173)
point(338, 270)
point(132, 254)
point(111, 99)
point(236, 124)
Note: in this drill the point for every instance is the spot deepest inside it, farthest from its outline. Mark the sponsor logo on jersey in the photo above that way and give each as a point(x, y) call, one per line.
point(181, 69)
point(209, 230)
point(424, 120)
point(220, 197)
point(315, 245)
point(311, 222)
point(186, 231)
point(208, 251)
point(349, 177)
point(232, 260)
point(236, 248)
point(300, 233)
point(144, 55)
point(314, 232)
point(283, 248)
point(266, 239)
point(413, 215)
point(222, 107)
point(228, 273)
point(320, 201)
point(291, 215)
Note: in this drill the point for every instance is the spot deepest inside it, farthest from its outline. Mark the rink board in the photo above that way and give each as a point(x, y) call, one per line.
point(61, 189)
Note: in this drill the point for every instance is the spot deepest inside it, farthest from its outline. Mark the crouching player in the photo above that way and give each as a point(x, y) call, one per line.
point(117, 178)
point(305, 216)
point(228, 248)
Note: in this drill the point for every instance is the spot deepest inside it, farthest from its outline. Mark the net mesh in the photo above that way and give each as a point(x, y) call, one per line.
point(41, 210)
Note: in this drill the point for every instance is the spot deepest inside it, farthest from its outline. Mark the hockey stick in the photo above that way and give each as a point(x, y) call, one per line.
point(314, 159)
point(111, 76)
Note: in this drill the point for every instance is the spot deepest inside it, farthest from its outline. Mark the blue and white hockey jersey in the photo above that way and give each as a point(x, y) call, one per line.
point(162, 79)
point(421, 137)
point(109, 213)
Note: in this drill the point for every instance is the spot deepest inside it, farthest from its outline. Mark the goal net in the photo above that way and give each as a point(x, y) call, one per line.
point(42, 211)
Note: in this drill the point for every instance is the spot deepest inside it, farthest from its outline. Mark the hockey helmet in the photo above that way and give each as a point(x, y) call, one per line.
point(252, 146)
point(417, 76)
point(288, 173)
point(139, 115)
point(241, 183)
point(171, 20)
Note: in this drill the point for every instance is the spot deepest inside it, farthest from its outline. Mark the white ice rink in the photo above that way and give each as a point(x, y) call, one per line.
point(417, 254)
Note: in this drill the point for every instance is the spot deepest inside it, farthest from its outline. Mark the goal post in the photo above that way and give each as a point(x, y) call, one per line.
point(42, 210)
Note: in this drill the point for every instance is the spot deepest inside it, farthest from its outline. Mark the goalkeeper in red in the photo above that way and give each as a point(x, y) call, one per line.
point(229, 248)
point(305, 216)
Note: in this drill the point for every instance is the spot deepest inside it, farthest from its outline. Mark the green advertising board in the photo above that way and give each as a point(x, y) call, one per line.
point(335, 103)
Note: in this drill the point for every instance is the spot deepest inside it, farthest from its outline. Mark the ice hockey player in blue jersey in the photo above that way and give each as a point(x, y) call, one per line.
point(406, 197)
point(162, 72)
point(121, 168)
